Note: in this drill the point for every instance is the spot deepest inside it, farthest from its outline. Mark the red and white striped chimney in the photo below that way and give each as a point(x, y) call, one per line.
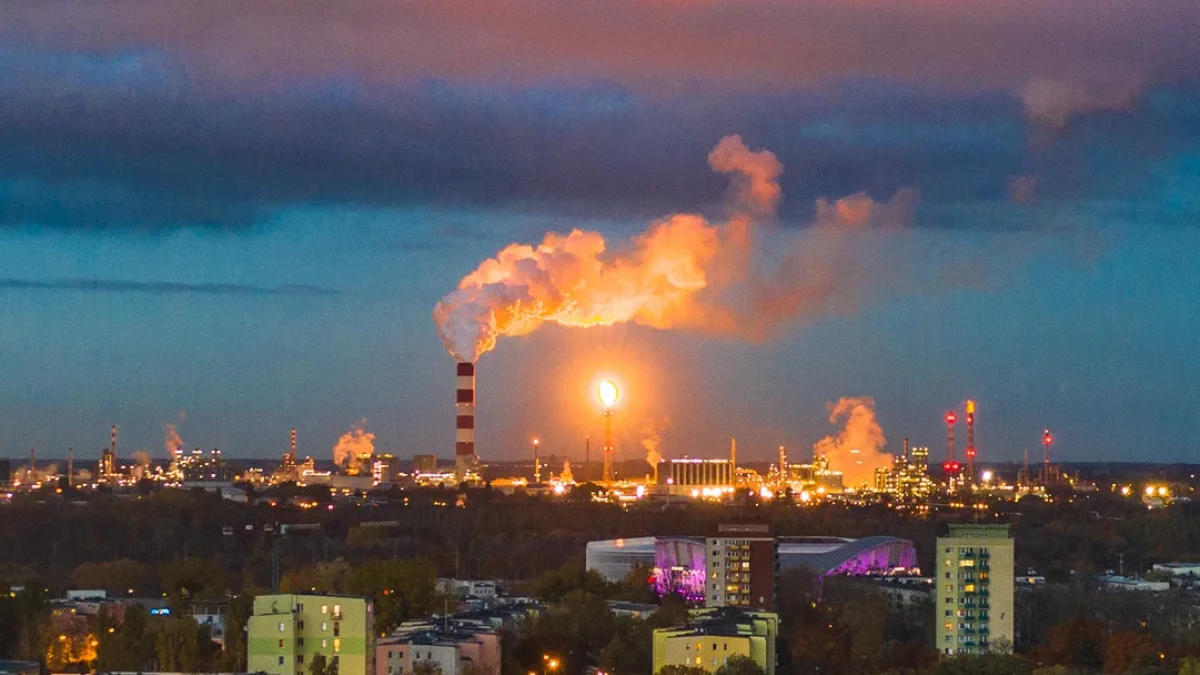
point(464, 427)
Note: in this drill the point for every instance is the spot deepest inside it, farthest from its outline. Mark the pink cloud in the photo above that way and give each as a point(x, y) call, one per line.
point(754, 44)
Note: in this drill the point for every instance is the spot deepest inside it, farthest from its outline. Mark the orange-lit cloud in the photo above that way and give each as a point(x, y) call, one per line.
point(682, 273)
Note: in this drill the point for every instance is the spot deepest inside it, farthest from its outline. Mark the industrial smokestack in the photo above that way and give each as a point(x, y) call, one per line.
point(70, 467)
point(113, 446)
point(293, 456)
point(465, 458)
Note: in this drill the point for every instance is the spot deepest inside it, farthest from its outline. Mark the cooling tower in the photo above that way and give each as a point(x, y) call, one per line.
point(464, 427)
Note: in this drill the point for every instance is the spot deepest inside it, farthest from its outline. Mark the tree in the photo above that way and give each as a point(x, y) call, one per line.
point(319, 665)
point(1129, 650)
point(629, 651)
point(554, 585)
point(233, 658)
point(193, 578)
point(116, 577)
point(178, 645)
point(681, 670)
point(1077, 643)
point(426, 668)
point(985, 664)
point(740, 665)
point(1189, 666)
point(400, 589)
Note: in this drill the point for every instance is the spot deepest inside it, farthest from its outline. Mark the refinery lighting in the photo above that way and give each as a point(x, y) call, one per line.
point(608, 393)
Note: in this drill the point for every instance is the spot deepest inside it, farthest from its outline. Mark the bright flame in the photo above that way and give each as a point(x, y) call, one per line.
point(608, 393)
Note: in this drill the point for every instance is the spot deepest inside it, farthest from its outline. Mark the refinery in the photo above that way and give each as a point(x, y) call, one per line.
point(910, 480)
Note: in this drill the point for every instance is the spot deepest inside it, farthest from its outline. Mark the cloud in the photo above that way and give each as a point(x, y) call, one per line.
point(1052, 103)
point(159, 287)
point(221, 115)
point(734, 43)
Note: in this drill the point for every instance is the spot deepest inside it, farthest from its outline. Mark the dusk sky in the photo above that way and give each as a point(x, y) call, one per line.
point(238, 217)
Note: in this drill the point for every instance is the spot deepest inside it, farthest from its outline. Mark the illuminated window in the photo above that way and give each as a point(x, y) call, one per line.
point(324, 643)
point(324, 609)
point(337, 645)
point(281, 628)
point(970, 588)
point(949, 626)
point(324, 625)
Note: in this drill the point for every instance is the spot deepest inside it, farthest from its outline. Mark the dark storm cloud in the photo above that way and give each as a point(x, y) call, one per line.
point(217, 114)
point(158, 287)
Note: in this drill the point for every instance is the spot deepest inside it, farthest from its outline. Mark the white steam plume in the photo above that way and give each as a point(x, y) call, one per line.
point(354, 449)
point(173, 441)
point(857, 450)
point(683, 272)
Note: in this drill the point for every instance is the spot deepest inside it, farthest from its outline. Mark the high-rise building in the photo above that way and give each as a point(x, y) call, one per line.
point(743, 563)
point(287, 631)
point(712, 636)
point(974, 589)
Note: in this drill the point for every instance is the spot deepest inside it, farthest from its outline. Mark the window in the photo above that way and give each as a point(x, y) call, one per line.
point(337, 645)
point(299, 642)
point(281, 628)
point(337, 629)
point(324, 609)
point(299, 658)
point(281, 660)
point(299, 606)
point(299, 625)
point(948, 625)
point(324, 643)
point(281, 643)
point(337, 611)
point(324, 625)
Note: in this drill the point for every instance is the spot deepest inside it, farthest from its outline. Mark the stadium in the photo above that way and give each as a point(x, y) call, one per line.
point(827, 556)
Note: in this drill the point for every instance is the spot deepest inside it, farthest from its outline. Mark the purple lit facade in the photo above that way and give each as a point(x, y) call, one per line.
point(679, 567)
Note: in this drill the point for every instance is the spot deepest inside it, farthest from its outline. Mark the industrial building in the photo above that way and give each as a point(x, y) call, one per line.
point(712, 636)
point(974, 589)
point(287, 631)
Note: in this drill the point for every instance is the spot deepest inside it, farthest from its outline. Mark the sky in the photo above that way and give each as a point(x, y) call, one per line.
point(238, 217)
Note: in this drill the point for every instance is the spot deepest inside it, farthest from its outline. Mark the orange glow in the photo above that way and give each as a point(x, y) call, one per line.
point(970, 407)
point(608, 393)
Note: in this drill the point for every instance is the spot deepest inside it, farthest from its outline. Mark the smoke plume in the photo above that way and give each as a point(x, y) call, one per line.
point(354, 449)
point(683, 272)
point(651, 443)
point(857, 450)
point(39, 474)
point(141, 465)
point(173, 441)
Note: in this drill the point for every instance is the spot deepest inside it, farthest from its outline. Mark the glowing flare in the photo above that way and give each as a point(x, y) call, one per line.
point(608, 393)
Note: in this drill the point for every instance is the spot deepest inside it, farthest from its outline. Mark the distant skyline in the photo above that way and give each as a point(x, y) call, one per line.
point(237, 218)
